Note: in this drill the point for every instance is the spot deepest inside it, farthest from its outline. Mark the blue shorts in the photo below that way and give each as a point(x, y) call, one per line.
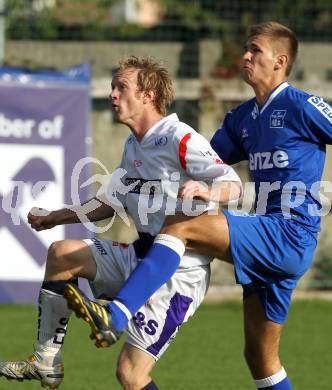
point(270, 255)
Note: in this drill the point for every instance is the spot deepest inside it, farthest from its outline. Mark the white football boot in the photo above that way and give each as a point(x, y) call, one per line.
point(49, 377)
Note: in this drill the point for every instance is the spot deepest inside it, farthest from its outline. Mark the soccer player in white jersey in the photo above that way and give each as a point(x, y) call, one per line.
point(160, 155)
point(283, 133)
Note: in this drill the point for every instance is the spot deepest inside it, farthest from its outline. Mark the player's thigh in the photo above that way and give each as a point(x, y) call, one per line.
point(73, 256)
point(115, 262)
point(206, 233)
point(134, 365)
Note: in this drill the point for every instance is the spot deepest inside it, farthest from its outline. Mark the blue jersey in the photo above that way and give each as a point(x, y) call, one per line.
point(284, 142)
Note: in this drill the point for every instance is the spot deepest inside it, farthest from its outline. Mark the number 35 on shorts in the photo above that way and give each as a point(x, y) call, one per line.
point(148, 326)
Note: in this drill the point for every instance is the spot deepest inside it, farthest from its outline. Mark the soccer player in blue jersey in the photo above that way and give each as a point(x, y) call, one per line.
point(282, 132)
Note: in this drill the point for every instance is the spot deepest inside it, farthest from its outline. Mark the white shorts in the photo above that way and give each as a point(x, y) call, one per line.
point(156, 323)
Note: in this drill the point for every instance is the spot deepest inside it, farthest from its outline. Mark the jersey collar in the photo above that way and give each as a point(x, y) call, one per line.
point(158, 125)
point(276, 92)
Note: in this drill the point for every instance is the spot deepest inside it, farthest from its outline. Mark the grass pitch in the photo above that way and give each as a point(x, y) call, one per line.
point(206, 355)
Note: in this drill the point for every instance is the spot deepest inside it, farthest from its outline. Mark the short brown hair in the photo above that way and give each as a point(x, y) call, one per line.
point(152, 76)
point(277, 30)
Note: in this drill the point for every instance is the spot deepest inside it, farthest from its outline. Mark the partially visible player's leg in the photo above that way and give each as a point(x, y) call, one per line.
point(264, 256)
point(157, 267)
point(68, 259)
point(65, 261)
point(134, 367)
point(210, 234)
point(270, 254)
point(154, 327)
point(206, 234)
point(262, 339)
point(115, 262)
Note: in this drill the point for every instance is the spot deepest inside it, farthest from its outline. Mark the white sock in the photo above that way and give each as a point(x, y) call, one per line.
point(171, 242)
point(53, 318)
point(48, 356)
point(271, 380)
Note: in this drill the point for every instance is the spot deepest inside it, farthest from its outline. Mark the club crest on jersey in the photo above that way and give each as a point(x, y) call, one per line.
point(244, 133)
point(277, 118)
point(138, 163)
point(161, 141)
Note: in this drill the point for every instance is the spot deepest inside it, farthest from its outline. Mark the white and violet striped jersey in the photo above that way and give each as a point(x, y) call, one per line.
point(169, 154)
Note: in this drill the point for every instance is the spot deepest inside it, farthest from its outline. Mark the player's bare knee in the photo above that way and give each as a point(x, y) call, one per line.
point(56, 256)
point(128, 377)
point(55, 251)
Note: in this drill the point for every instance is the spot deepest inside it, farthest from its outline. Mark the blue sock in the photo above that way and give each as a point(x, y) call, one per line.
point(278, 381)
point(150, 274)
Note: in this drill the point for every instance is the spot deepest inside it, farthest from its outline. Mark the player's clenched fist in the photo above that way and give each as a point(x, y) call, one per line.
point(194, 190)
point(41, 219)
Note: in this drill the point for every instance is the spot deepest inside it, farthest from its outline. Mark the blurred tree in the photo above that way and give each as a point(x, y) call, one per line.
point(310, 19)
point(23, 20)
point(62, 19)
point(83, 12)
point(230, 19)
point(186, 20)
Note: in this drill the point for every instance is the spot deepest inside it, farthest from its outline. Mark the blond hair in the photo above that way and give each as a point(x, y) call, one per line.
point(152, 76)
point(277, 31)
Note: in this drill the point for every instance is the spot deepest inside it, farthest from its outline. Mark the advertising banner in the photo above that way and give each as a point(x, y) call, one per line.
point(44, 132)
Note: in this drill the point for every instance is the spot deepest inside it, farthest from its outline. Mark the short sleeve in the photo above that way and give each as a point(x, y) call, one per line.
point(200, 161)
point(317, 116)
point(224, 142)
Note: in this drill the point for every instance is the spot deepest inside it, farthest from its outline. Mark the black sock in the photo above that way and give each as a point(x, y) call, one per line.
point(57, 286)
point(150, 386)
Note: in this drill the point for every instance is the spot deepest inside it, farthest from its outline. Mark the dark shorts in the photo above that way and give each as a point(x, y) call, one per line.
point(270, 255)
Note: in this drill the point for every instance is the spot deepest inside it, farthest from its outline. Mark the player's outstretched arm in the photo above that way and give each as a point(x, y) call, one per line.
point(93, 210)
